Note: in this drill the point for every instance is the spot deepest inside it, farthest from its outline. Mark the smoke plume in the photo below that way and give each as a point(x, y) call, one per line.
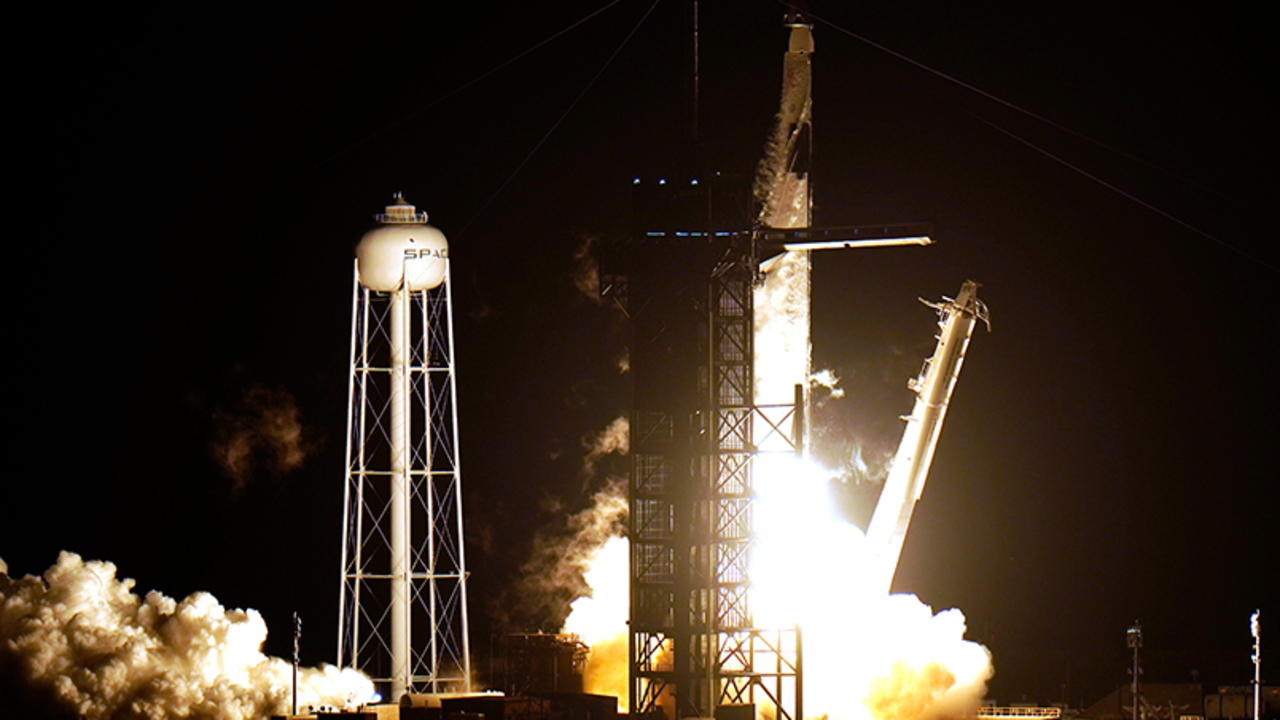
point(829, 381)
point(82, 639)
point(616, 438)
point(586, 271)
point(262, 431)
point(555, 574)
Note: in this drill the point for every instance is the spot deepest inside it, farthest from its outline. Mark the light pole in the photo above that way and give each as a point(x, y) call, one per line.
point(1134, 639)
point(1255, 627)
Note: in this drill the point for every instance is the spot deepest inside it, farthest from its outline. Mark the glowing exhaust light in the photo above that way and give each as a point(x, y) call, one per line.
point(600, 620)
point(603, 614)
point(797, 534)
point(867, 655)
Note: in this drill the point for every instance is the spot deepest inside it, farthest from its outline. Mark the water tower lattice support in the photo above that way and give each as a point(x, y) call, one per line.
point(403, 608)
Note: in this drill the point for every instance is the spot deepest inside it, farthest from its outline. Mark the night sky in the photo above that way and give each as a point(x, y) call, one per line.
point(193, 183)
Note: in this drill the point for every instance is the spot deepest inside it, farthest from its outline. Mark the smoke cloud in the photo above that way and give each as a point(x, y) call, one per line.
point(83, 640)
point(929, 672)
point(555, 574)
point(616, 438)
point(586, 271)
point(262, 431)
point(599, 618)
point(829, 381)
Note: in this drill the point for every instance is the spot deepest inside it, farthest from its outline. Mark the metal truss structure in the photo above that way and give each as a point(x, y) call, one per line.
point(693, 644)
point(403, 607)
point(752, 665)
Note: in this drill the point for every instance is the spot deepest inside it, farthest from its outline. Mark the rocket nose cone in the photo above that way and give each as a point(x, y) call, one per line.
point(801, 41)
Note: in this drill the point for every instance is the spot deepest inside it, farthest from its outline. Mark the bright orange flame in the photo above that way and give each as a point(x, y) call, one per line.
point(867, 655)
point(601, 621)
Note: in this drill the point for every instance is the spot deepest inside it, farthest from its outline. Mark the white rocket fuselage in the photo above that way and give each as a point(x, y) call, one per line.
point(905, 484)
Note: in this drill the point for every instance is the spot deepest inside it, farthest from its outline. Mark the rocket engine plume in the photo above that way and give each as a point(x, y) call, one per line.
point(82, 637)
point(868, 655)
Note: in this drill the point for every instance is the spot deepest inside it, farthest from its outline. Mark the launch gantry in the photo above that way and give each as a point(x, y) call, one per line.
point(690, 275)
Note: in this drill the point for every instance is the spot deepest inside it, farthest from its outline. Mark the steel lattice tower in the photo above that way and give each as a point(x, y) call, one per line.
point(700, 257)
point(403, 606)
point(687, 274)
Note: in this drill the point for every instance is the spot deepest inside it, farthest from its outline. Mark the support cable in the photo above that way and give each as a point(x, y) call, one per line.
point(568, 110)
point(396, 123)
point(1064, 129)
point(1017, 108)
point(1118, 191)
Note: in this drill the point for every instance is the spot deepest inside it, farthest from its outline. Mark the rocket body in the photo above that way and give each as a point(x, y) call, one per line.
point(888, 528)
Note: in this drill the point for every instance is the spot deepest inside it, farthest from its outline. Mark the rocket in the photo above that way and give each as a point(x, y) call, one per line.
point(905, 484)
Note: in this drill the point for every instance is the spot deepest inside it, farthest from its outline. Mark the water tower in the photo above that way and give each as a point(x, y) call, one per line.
point(402, 615)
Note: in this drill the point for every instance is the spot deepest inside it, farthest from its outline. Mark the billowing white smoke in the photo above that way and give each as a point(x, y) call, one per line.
point(588, 569)
point(577, 574)
point(554, 574)
point(828, 380)
point(86, 639)
point(614, 439)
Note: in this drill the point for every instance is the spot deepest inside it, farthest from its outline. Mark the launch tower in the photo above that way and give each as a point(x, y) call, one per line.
point(687, 275)
point(703, 256)
point(403, 607)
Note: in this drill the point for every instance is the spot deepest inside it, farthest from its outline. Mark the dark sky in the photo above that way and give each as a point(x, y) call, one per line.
point(194, 182)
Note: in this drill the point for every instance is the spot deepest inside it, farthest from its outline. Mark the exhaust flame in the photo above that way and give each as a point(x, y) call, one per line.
point(600, 619)
point(82, 636)
point(867, 655)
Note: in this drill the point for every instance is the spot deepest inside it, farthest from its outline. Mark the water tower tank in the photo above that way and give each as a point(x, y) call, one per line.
point(402, 249)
